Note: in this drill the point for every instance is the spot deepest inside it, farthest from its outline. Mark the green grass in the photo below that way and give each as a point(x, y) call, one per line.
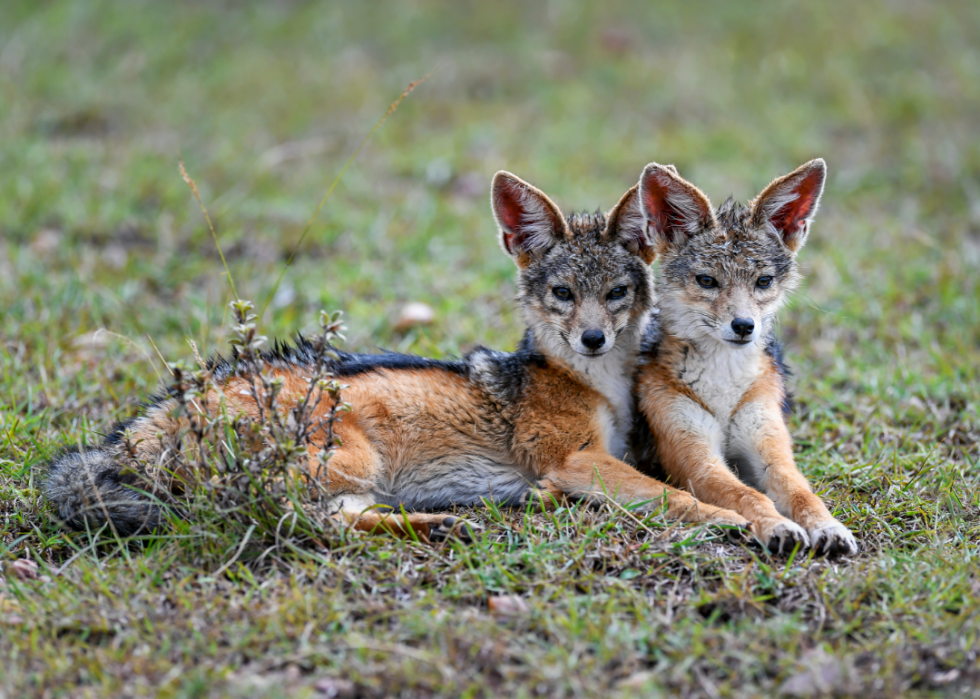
point(264, 102)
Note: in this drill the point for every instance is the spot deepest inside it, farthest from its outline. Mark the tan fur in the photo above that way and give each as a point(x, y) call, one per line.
point(402, 420)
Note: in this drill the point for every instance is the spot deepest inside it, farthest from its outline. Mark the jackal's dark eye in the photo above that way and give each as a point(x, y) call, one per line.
point(706, 281)
point(617, 292)
point(764, 282)
point(562, 292)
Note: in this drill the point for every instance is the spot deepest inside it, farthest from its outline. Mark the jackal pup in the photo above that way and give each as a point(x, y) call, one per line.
point(712, 386)
point(552, 417)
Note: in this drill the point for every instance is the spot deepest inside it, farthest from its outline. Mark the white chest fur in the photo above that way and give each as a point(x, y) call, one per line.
point(721, 375)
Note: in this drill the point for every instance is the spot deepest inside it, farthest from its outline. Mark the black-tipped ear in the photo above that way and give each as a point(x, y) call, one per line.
point(627, 224)
point(787, 206)
point(673, 208)
point(529, 221)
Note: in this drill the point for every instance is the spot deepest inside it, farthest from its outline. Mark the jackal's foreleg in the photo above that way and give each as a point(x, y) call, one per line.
point(761, 432)
point(689, 448)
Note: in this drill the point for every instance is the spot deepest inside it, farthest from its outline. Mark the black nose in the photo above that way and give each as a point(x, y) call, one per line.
point(743, 326)
point(593, 339)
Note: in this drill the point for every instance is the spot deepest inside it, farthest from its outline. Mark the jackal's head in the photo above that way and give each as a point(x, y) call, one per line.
point(585, 282)
point(725, 273)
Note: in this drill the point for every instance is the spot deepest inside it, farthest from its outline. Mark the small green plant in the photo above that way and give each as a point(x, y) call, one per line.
point(262, 471)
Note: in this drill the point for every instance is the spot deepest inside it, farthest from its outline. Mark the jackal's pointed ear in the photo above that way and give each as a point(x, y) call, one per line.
point(627, 224)
point(673, 208)
point(529, 221)
point(789, 203)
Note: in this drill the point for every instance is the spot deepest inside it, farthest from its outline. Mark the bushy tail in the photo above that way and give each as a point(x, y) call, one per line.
point(92, 487)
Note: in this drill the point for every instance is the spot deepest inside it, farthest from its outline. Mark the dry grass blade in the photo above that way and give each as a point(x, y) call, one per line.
point(207, 217)
point(333, 185)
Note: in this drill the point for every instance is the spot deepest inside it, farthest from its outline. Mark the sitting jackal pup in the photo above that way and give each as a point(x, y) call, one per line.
point(552, 417)
point(712, 387)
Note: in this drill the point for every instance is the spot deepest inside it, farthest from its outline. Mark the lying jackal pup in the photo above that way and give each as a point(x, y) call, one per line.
point(428, 434)
point(712, 389)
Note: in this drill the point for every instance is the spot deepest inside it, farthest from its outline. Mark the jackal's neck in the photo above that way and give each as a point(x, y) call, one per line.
point(741, 361)
point(718, 374)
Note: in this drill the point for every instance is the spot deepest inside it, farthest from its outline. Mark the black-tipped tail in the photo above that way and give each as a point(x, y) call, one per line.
point(90, 488)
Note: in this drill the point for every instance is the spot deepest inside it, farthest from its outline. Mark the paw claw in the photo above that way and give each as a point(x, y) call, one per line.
point(785, 537)
point(833, 539)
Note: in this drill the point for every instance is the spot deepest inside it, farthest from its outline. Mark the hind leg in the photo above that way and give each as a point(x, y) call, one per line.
point(363, 515)
point(350, 476)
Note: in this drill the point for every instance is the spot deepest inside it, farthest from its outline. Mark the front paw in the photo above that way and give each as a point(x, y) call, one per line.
point(833, 539)
point(781, 536)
